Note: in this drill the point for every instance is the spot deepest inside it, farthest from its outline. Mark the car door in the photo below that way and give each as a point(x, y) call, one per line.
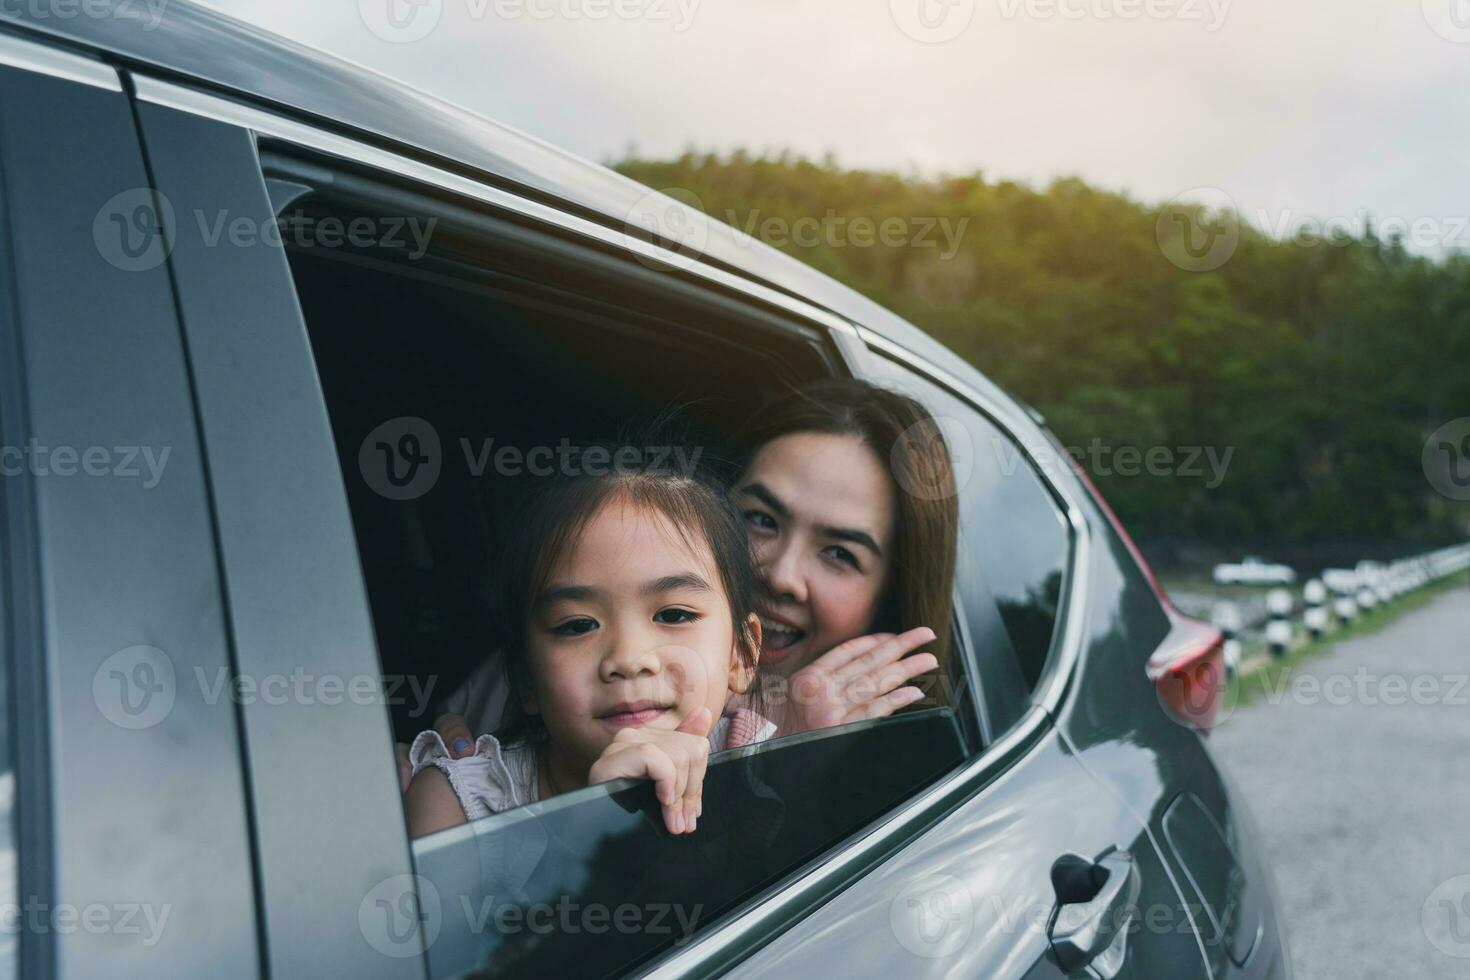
point(132, 853)
point(1039, 869)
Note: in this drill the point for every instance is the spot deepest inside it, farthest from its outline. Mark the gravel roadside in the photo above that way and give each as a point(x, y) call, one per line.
point(1357, 769)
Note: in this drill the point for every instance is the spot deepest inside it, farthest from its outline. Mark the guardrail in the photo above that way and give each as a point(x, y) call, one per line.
point(1279, 616)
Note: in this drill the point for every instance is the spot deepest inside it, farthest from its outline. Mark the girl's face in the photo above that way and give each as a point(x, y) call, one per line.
point(632, 629)
point(819, 510)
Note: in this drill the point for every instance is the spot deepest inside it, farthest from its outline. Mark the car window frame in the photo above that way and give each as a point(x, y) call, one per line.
point(727, 945)
point(879, 361)
point(1018, 424)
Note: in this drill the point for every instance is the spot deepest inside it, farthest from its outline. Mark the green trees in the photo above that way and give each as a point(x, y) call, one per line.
point(1316, 366)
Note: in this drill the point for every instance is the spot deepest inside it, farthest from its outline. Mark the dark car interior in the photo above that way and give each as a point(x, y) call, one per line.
point(490, 361)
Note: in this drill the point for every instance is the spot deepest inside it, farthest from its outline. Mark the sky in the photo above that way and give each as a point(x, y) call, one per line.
point(1302, 112)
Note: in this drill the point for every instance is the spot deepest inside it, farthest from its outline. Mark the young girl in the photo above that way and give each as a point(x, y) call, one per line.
point(628, 619)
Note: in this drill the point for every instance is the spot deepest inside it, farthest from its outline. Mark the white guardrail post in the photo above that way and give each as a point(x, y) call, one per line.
point(1314, 595)
point(1344, 594)
point(1278, 631)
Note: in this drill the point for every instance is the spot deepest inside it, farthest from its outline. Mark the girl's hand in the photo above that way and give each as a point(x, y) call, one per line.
point(675, 761)
point(857, 680)
point(455, 732)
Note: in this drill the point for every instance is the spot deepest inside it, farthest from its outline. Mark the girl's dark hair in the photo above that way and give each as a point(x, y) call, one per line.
point(553, 514)
point(906, 439)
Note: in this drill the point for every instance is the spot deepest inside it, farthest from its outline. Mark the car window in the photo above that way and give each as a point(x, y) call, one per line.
point(1014, 549)
point(447, 384)
point(590, 883)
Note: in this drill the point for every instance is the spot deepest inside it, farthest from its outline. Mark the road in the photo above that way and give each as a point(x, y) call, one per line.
point(1361, 791)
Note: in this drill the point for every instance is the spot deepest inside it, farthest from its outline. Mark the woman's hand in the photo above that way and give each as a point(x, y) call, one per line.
point(675, 761)
point(860, 679)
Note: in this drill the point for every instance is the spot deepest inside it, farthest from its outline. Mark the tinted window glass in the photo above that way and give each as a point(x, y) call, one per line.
point(9, 886)
point(590, 884)
point(1014, 548)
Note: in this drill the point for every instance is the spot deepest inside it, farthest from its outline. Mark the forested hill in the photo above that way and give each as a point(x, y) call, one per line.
point(1310, 370)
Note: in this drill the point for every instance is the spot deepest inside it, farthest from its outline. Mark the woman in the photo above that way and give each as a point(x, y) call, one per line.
point(849, 503)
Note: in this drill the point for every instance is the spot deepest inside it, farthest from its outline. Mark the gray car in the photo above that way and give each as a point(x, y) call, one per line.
point(269, 321)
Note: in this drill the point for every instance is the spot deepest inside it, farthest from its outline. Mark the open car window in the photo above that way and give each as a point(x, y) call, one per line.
point(452, 381)
point(591, 884)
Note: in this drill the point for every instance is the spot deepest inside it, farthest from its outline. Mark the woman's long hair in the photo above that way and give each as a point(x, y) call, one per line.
point(906, 439)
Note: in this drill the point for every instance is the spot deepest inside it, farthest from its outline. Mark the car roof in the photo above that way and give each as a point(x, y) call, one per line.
point(198, 46)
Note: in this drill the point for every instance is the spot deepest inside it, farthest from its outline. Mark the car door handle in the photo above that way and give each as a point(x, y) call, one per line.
point(1096, 903)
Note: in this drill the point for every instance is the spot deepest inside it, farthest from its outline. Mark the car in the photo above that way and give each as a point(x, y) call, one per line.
point(270, 321)
point(1253, 571)
point(1341, 581)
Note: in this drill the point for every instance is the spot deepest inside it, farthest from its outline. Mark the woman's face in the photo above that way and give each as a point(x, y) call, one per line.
point(819, 510)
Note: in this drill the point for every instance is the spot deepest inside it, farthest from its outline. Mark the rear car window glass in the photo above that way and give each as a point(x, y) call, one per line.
point(1015, 546)
point(590, 884)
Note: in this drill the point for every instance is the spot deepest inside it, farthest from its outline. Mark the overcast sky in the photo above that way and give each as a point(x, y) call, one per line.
point(1295, 108)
